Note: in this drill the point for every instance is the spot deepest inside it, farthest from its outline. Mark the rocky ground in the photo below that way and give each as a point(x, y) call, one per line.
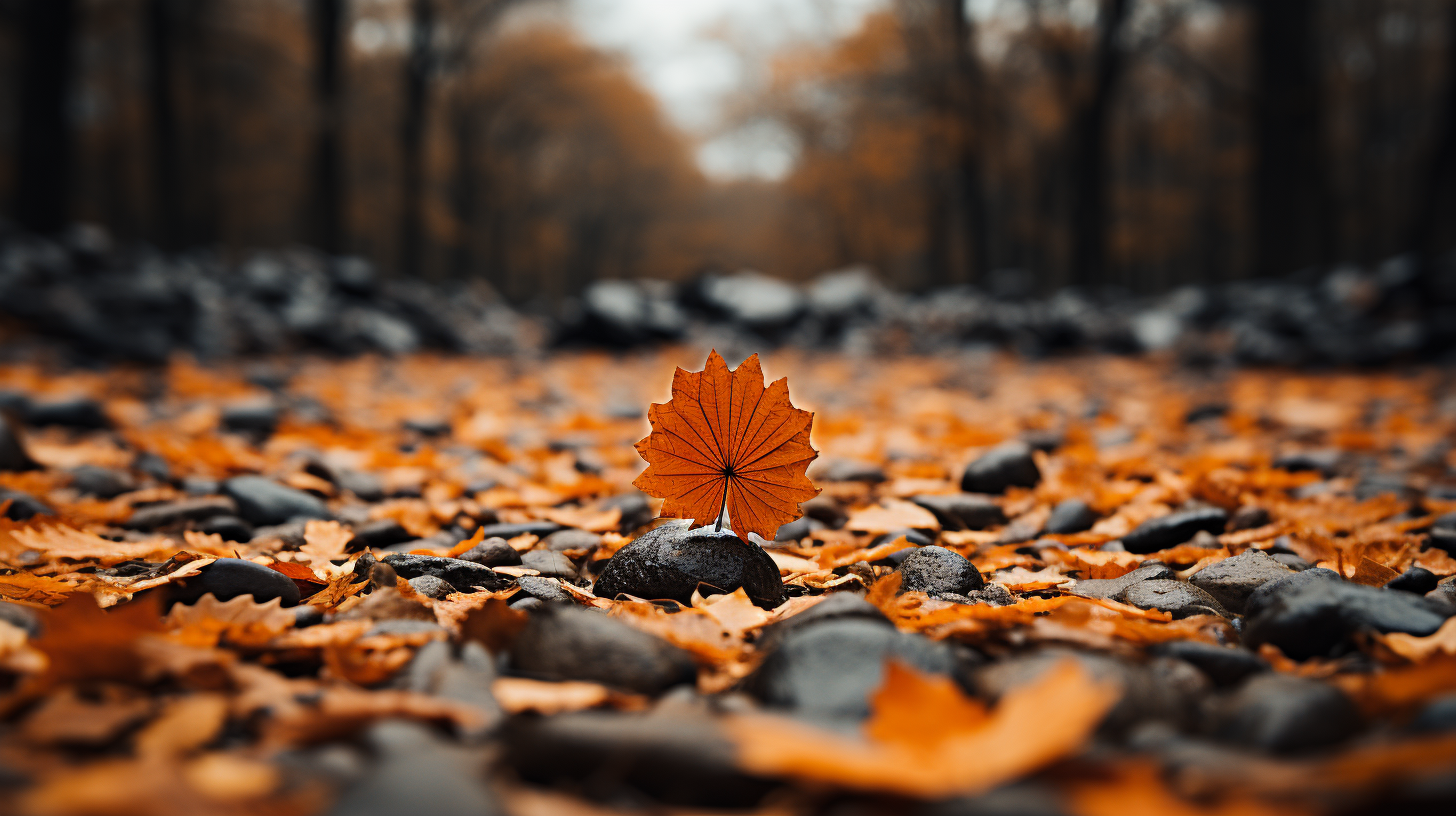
point(424, 585)
point(90, 300)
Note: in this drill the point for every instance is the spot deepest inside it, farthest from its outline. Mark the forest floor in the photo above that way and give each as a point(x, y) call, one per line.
point(1219, 592)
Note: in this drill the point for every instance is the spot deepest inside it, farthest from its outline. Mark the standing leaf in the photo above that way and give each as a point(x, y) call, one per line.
point(724, 441)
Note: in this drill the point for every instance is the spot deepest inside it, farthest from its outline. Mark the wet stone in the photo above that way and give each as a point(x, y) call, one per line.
point(465, 576)
point(1113, 588)
point(22, 506)
point(1224, 665)
point(547, 590)
point(492, 552)
point(158, 516)
point(252, 417)
point(1172, 596)
point(829, 668)
point(263, 501)
point(381, 534)
point(936, 570)
point(569, 643)
point(101, 482)
point(228, 578)
point(1174, 529)
point(549, 564)
point(1009, 464)
point(572, 539)
point(431, 587)
point(1282, 714)
point(1070, 516)
point(1293, 561)
point(526, 603)
point(1233, 580)
point(670, 562)
point(962, 511)
point(1318, 616)
point(231, 528)
point(1416, 579)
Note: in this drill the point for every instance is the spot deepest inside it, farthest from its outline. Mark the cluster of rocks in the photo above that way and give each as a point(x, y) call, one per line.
point(99, 301)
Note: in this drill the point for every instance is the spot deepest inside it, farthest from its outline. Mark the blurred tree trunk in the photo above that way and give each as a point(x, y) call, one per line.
point(1437, 174)
point(419, 67)
point(162, 115)
point(971, 90)
point(328, 18)
point(1090, 127)
point(1290, 210)
point(48, 30)
point(466, 196)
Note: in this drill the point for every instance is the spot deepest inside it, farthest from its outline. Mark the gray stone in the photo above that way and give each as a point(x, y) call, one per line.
point(846, 470)
point(381, 533)
point(962, 511)
point(1070, 516)
point(549, 564)
point(1174, 529)
point(1113, 588)
point(228, 578)
point(1176, 597)
point(1283, 714)
point(104, 483)
point(158, 516)
point(1318, 617)
point(465, 576)
point(1248, 517)
point(669, 562)
point(431, 587)
point(492, 552)
point(545, 589)
point(1009, 464)
point(936, 570)
point(415, 771)
point(570, 643)
point(1418, 580)
point(23, 506)
point(1233, 580)
point(1224, 665)
point(572, 539)
point(263, 501)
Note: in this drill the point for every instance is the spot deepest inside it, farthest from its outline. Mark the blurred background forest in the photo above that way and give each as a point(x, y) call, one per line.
point(1004, 143)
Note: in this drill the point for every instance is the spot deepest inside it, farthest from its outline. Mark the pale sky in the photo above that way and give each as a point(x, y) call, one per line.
point(680, 49)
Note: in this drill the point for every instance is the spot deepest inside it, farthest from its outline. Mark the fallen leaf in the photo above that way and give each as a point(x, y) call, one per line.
point(725, 442)
point(519, 694)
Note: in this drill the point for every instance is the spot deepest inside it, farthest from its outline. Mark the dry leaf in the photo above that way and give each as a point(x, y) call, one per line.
point(725, 442)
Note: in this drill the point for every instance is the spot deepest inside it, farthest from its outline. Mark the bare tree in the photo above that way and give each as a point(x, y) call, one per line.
point(43, 191)
point(327, 18)
point(1089, 135)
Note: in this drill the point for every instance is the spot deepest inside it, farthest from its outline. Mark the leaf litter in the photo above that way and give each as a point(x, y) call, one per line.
point(118, 701)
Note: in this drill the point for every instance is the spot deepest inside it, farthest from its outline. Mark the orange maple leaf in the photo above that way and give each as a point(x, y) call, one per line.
point(724, 441)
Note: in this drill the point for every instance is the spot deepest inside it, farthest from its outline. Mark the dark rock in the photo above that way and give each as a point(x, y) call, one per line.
point(1233, 580)
point(846, 470)
point(431, 587)
point(1444, 596)
point(829, 668)
point(1207, 410)
point(288, 536)
point(1378, 484)
point(263, 501)
point(13, 456)
point(23, 506)
point(572, 539)
point(1045, 441)
point(752, 300)
point(417, 772)
point(545, 589)
point(1283, 714)
point(463, 575)
point(159, 516)
point(21, 617)
point(1113, 588)
point(993, 594)
point(526, 603)
point(228, 578)
point(636, 511)
point(1009, 464)
point(1443, 539)
point(380, 534)
point(492, 552)
point(670, 562)
point(1173, 529)
point(1293, 561)
point(962, 511)
point(1326, 462)
point(1248, 517)
point(251, 417)
point(570, 643)
point(84, 413)
point(465, 678)
point(199, 486)
point(104, 483)
point(1145, 694)
point(1266, 593)
point(549, 564)
point(1317, 617)
point(540, 529)
point(1021, 529)
point(914, 537)
point(428, 426)
point(660, 757)
point(231, 528)
point(798, 529)
point(363, 484)
point(836, 606)
point(1224, 665)
point(1176, 597)
point(1070, 516)
point(1416, 579)
point(936, 570)
point(307, 615)
point(1439, 715)
point(826, 510)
